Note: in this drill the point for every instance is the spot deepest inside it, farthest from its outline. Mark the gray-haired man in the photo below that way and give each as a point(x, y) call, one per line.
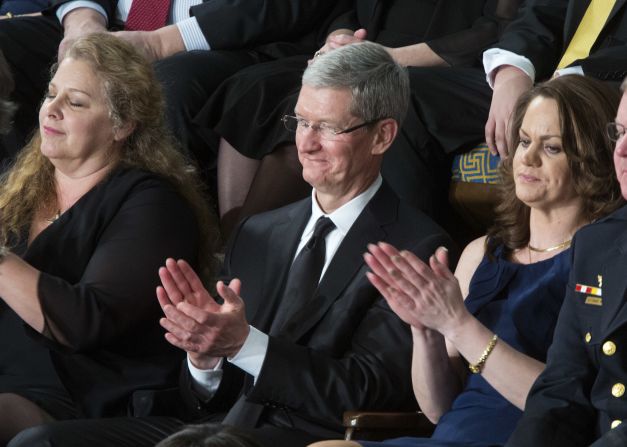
point(293, 360)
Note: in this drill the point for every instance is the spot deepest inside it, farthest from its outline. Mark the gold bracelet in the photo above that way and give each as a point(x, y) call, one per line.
point(477, 367)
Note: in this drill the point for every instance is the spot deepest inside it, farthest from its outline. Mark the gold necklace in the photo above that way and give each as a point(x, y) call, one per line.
point(564, 244)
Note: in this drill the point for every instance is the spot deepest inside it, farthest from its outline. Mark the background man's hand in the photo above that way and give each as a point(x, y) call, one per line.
point(80, 22)
point(155, 45)
point(509, 84)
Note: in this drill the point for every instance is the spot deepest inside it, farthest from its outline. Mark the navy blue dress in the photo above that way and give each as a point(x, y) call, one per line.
point(520, 303)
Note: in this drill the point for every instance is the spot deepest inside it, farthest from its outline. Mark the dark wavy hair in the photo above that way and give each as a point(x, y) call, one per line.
point(585, 107)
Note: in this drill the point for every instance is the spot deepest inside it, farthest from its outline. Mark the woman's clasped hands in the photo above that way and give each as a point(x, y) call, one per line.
point(424, 296)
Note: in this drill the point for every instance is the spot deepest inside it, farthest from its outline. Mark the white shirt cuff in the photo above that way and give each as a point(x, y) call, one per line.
point(575, 70)
point(252, 354)
point(65, 8)
point(193, 38)
point(495, 58)
point(205, 381)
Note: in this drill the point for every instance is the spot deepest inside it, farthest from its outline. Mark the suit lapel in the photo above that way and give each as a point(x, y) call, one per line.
point(617, 7)
point(347, 262)
point(282, 243)
point(576, 14)
point(615, 287)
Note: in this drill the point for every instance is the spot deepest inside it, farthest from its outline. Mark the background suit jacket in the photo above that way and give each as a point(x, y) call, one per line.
point(348, 350)
point(579, 395)
point(300, 26)
point(458, 30)
point(544, 28)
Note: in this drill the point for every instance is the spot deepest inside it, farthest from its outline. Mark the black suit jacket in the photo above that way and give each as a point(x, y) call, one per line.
point(544, 28)
point(349, 350)
point(577, 398)
point(300, 26)
point(458, 30)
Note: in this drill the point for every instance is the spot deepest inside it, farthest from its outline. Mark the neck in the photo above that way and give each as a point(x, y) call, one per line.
point(330, 200)
point(553, 227)
point(71, 188)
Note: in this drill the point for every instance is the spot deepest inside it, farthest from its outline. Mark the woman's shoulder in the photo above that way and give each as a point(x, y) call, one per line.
point(473, 253)
point(130, 177)
point(130, 188)
point(469, 261)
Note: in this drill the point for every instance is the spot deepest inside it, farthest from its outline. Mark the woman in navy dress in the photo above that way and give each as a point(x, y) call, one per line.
point(473, 364)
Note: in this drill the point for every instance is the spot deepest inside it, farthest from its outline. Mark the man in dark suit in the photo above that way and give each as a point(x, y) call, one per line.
point(579, 400)
point(312, 349)
point(197, 49)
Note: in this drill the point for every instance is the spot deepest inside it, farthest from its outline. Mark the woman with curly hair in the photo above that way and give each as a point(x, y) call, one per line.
point(91, 208)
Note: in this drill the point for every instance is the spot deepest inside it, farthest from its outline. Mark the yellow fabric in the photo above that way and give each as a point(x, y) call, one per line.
point(587, 32)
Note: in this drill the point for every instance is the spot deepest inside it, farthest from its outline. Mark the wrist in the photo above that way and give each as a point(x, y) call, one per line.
point(505, 73)
point(398, 56)
point(458, 326)
point(84, 18)
point(476, 368)
point(241, 341)
point(426, 337)
point(203, 362)
point(168, 41)
point(422, 332)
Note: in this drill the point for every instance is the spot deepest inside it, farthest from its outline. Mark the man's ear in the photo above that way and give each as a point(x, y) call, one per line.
point(122, 132)
point(386, 132)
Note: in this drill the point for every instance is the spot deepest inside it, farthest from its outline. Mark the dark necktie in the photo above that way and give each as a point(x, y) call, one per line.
point(304, 275)
point(147, 15)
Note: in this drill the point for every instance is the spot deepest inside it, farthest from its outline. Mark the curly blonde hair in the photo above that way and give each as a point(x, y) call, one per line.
point(134, 96)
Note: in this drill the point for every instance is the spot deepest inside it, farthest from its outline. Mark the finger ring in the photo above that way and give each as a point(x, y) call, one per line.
point(318, 53)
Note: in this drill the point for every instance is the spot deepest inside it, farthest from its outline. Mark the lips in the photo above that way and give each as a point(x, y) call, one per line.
point(51, 131)
point(528, 178)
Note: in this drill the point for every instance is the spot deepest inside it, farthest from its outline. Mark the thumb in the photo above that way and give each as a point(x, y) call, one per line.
point(441, 255)
point(360, 34)
point(230, 294)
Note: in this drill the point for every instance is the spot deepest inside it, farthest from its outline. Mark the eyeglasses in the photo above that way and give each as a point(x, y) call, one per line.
point(615, 131)
point(327, 132)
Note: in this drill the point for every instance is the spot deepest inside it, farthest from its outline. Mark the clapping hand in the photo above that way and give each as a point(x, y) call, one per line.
point(424, 296)
point(194, 320)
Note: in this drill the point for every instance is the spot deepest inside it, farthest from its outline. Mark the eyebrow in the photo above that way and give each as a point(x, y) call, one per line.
point(71, 89)
point(328, 121)
point(543, 137)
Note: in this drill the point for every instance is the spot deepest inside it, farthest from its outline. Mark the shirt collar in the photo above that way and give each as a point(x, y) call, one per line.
point(345, 216)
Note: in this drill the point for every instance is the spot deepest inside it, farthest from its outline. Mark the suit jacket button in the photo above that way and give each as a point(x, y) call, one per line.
point(588, 337)
point(609, 348)
point(615, 423)
point(618, 390)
